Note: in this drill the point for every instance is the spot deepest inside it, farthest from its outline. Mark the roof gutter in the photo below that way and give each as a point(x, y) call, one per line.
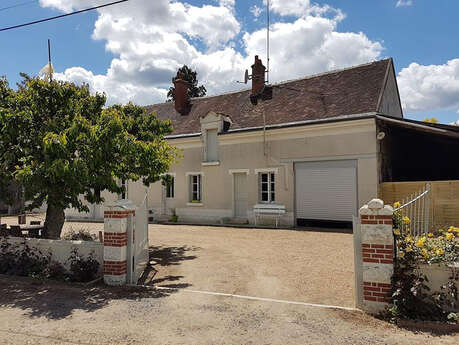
point(343, 118)
point(425, 128)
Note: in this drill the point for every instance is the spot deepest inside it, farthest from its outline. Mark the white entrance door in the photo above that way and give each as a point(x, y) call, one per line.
point(241, 195)
point(326, 190)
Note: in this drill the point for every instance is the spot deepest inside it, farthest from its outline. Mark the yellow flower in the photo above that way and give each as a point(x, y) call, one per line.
point(441, 238)
point(456, 230)
point(439, 251)
point(449, 236)
point(430, 235)
point(452, 229)
point(409, 249)
point(401, 255)
point(397, 204)
point(409, 239)
point(406, 220)
point(425, 253)
point(397, 232)
point(420, 242)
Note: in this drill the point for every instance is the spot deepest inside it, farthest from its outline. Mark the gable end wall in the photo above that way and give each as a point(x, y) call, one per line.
point(390, 102)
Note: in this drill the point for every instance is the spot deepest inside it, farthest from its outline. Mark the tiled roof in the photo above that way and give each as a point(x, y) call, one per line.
point(349, 91)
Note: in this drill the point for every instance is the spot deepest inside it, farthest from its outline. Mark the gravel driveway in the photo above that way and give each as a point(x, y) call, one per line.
point(313, 267)
point(303, 266)
point(57, 314)
point(292, 265)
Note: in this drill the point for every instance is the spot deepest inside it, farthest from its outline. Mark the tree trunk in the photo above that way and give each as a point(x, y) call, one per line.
point(54, 221)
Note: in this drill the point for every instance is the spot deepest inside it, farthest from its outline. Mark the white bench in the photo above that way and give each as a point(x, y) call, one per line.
point(268, 210)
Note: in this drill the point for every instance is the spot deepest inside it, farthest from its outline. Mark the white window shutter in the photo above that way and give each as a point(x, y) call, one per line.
point(212, 145)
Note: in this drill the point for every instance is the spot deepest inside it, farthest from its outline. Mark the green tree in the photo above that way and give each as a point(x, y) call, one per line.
point(431, 120)
point(10, 192)
point(61, 144)
point(191, 77)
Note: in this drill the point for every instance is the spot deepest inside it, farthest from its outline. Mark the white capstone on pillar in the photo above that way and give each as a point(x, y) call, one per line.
point(377, 254)
point(116, 217)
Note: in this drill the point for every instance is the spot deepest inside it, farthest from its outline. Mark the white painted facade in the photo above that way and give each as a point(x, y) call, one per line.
point(243, 156)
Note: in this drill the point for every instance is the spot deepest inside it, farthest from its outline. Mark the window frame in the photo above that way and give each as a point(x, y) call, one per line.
point(170, 189)
point(270, 183)
point(123, 195)
point(192, 191)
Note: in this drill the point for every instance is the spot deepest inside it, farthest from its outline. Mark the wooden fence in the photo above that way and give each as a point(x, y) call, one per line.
point(444, 199)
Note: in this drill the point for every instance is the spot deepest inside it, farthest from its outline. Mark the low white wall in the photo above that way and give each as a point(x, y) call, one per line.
point(437, 274)
point(61, 249)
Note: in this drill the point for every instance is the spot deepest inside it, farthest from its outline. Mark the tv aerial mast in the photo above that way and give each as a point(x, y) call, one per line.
point(48, 70)
point(247, 76)
point(267, 42)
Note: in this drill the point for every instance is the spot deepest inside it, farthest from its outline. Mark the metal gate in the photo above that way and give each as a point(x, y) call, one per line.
point(137, 247)
point(417, 208)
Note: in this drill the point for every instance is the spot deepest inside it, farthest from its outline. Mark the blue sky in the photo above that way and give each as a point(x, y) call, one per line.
point(131, 51)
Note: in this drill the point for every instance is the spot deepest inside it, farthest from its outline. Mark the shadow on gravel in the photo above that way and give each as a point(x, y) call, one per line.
point(161, 256)
point(166, 256)
point(55, 300)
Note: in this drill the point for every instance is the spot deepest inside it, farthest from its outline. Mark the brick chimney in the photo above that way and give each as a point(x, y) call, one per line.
point(258, 76)
point(182, 103)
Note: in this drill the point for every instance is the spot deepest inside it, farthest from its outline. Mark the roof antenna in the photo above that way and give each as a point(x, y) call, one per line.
point(267, 41)
point(248, 77)
point(48, 70)
point(49, 61)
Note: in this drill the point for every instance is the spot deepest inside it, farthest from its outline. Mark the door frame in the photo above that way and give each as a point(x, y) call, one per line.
point(232, 172)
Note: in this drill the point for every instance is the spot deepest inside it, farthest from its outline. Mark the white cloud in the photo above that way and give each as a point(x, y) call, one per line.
point(430, 87)
point(116, 92)
point(290, 7)
point(256, 11)
point(153, 38)
point(402, 3)
point(227, 3)
point(68, 6)
point(292, 56)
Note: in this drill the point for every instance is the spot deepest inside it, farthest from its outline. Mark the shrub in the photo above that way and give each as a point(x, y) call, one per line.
point(23, 260)
point(80, 235)
point(411, 297)
point(7, 258)
point(57, 271)
point(82, 269)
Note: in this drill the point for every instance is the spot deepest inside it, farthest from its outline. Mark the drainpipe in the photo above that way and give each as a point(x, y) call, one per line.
point(264, 131)
point(274, 163)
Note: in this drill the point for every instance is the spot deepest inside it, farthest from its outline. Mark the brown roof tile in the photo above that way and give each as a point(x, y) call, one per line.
point(350, 91)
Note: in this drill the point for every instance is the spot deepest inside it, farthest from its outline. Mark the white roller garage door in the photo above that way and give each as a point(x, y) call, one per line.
point(326, 190)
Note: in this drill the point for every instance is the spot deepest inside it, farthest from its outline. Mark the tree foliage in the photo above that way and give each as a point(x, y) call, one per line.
point(191, 77)
point(431, 120)
point(63, 145)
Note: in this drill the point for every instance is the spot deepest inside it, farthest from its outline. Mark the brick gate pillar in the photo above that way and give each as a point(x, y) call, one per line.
point(377, 254)
point(115, 243)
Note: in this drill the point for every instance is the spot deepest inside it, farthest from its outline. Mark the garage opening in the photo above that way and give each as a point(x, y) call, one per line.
point(326, 193)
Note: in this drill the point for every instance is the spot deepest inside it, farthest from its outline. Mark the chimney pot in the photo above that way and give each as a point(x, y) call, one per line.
point(258, 76)
point(181, 94)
